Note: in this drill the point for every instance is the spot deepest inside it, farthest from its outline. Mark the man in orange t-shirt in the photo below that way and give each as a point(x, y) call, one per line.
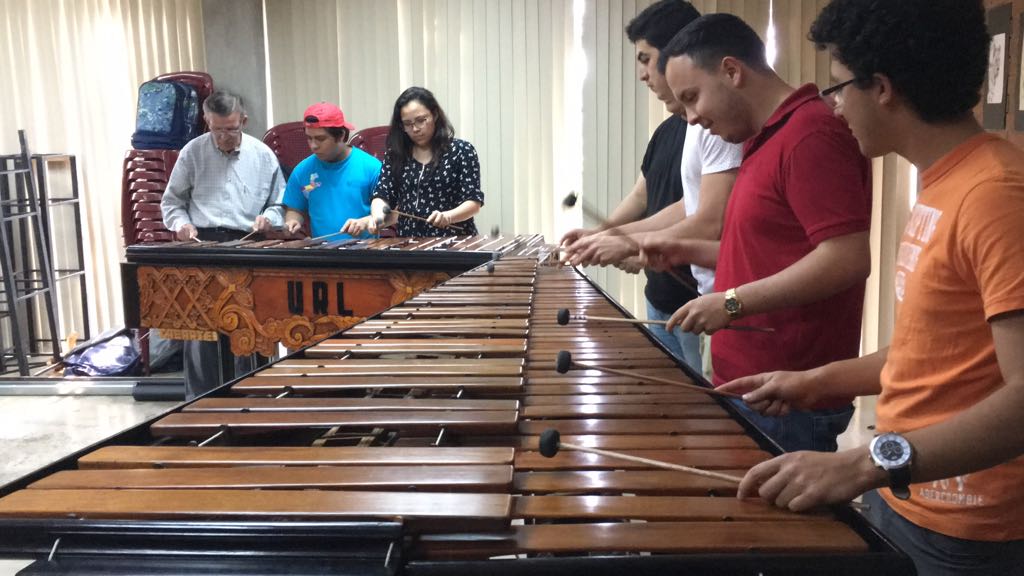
point(951, 409)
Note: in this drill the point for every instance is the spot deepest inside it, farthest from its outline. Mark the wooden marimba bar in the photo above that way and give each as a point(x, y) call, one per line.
point(428, 416)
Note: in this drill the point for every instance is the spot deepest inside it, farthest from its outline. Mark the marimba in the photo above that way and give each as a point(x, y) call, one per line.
point(263, 292)
point(408, 444)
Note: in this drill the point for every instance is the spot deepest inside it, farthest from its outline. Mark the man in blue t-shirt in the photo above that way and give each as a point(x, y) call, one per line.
point(334, 184)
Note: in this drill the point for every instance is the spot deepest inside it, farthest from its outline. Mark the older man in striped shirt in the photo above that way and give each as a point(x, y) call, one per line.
point(224, 185)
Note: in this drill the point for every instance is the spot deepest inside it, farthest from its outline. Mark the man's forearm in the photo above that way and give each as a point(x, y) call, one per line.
point(662, 220)
point(833, 266)
point(172, 208)
point(986, 434)
point(629, 210)
point(294, 216)
point(851, 378)
point(703, 253)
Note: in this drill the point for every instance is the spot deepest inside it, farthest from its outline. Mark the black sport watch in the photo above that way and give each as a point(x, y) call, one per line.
point(893, 453)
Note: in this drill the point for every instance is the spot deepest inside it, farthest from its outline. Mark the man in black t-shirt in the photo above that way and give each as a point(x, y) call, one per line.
point(659, 184)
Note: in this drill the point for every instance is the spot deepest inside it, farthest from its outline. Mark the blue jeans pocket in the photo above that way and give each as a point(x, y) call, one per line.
point(827, 425)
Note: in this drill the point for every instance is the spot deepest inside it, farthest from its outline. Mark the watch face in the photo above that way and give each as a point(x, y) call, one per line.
point(732, 305)
point(892, 451)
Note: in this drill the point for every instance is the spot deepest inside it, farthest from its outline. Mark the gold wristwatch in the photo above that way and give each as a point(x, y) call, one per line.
point(733, 306)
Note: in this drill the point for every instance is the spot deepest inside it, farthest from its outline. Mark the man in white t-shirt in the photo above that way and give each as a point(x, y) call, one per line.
point(704, 154)
point(708, 169)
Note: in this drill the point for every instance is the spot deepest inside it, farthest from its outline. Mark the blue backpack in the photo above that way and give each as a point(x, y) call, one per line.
point(167, 116)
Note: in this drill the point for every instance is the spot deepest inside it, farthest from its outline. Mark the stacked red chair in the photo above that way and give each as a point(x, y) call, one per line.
point(144, 178)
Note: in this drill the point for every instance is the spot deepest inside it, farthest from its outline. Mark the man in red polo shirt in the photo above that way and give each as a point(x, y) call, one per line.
point(794, 252)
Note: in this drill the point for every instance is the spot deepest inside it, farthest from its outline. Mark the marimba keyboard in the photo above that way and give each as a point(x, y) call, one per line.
point(428, 417)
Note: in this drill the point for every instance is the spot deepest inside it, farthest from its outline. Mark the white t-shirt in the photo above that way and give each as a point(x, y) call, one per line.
point(704, 153)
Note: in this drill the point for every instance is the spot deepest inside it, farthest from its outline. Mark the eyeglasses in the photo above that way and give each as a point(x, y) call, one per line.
point(835, 91)
point(224, 132)
point(418, 123)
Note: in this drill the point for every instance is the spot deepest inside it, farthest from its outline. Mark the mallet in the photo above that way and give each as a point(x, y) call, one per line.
point(550, 444)
point(564, 363)
point(564, 317)
point(388, 210)
point(570, 200)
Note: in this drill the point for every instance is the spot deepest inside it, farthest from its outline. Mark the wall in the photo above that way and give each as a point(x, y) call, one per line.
point(1012, 132)
point(235, 55)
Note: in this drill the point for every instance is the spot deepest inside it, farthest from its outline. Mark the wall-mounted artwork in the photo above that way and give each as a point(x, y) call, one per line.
point(1019, 112)
point(994, 94)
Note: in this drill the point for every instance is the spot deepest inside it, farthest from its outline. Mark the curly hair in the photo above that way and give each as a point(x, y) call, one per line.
point(659, 22)
point(712, 37)
point(399, 145)
point(935, 52)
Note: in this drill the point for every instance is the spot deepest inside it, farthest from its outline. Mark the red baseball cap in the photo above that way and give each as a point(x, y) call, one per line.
point(325, 115)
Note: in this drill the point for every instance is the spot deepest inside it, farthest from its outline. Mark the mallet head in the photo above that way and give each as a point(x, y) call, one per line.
point(563, 361)
point(563, 316)
point(570, 200)
point(549, 442)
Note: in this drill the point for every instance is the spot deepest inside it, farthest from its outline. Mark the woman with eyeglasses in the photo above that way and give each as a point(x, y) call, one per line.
point(427, 173)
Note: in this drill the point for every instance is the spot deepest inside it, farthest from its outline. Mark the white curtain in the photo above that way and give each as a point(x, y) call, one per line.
point(545, 90)
point(71, 73)
point(497, 68)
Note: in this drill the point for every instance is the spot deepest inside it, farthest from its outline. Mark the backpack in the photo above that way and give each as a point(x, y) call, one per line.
point(167, 115)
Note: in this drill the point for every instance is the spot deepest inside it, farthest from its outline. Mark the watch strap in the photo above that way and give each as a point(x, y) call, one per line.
point(899, 482)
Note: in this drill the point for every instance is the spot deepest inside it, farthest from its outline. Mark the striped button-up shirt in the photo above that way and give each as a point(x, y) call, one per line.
point(209, 188)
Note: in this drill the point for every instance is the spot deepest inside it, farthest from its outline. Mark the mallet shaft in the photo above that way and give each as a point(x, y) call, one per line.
point(637, 375)
point(654, 463)
point(592, 214)
point(663, 322)
point(415, 217)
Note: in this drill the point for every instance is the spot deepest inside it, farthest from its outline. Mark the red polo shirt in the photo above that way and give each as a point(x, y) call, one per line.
point(803, 180)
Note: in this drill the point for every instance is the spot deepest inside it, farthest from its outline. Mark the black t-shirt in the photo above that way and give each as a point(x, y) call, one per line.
point(664, 186)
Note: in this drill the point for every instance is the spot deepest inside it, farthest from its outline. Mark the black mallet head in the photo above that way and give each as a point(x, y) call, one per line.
point(386, 210)
point(563, 362)
point(495, 231)
point(490, 267)
point(563, 316)
point(570, 200)
point(549, 442)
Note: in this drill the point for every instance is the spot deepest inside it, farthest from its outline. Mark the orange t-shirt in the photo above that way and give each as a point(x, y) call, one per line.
point(960, 262)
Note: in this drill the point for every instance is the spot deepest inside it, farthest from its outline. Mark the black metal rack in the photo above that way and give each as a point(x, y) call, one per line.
point(43, 261)
point(63, 225)
point(28, 334)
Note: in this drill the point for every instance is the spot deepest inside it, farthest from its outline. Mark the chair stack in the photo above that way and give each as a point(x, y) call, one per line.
point(144, 179)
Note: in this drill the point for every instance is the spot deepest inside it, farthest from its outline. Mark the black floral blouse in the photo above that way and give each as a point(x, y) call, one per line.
point(454, 179)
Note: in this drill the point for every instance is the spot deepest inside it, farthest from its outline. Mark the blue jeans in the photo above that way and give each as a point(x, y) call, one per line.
point(936, 554)
point(798, 430)
point(685, 345)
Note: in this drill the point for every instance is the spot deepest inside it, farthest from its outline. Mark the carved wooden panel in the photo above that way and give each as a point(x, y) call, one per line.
point(257, 308)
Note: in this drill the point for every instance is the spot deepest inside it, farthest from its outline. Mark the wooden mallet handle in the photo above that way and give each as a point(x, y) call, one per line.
point(390, 210)
point(550, 444)
point(564, 316)
point(564, 362)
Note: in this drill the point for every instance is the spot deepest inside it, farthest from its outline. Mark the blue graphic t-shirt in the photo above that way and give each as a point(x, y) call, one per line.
point(332, 192)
